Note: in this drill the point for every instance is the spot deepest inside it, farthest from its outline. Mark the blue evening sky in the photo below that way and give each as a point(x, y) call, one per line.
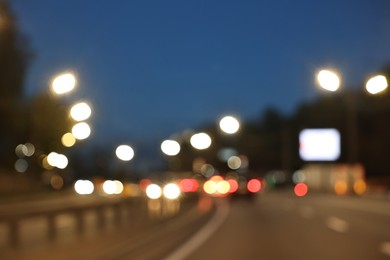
point(154, 68)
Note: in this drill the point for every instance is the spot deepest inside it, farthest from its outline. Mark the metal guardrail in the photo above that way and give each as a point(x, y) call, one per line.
point(144, 209)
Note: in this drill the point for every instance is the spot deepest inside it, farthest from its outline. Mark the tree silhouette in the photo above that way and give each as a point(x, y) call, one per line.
point(14, 58)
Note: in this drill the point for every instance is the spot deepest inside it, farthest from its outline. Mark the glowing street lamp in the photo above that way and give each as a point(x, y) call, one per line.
point(63, 83)
point(80, 111)
point(124, 152)
point(200, 141)
point(81, 131)
point(170, 147)
point(229, 125)
point(376, 84)
point(328, 80)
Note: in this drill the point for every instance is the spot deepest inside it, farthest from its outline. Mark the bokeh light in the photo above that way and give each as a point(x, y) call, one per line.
point(80, 111)
point(84, 187)
point(200, 141)
point(68, 140)
point(301, 189)
point(328, 80)
point(234, 162)
point(171, 191)
point(81, 131)
point(376, 84)
point(170, 147)
point(254, 185)
point(21, 165)
point(153, 191)
point(229, 125)
point(124, 152)
point(63, 83)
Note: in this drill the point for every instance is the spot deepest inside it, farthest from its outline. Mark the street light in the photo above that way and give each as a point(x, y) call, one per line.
point(330, 80)
point(80, 111)
point(63, 83)
point(200, 141)
point(170, 147)
point(376, 84)
point(229, 125)
point(124, 152)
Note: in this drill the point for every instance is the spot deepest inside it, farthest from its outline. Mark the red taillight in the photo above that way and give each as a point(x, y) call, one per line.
point(300, 189)
point(233, 185)
point(254, 185)
point(189, 185)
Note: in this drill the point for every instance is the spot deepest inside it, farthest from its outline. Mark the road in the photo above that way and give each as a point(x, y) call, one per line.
point(281, 226)
point(276, 225)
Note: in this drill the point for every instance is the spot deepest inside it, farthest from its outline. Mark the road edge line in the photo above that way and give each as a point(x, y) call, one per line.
point(202, 235)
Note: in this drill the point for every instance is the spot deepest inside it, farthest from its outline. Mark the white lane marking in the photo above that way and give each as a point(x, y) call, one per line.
point(202, 235)
point(337, 224)
point(385, 248)
point(306, 212)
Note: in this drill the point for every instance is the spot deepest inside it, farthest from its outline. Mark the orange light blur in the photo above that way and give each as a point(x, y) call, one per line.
point(341, 187)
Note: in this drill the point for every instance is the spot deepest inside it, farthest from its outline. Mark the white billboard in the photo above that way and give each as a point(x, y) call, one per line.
point(319, 144)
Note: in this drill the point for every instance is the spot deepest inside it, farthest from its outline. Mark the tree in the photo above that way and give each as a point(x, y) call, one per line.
point(14, 58)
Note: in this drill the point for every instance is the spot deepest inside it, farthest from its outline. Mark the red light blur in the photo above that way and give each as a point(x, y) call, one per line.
point(300, 189)
point(144, 183)
point(254, 185)
point(189, 185)
point(233, 185)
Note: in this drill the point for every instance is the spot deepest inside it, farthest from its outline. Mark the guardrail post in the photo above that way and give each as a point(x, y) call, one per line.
point(14, 233)
point(52, 229)
point(80, 222)
point(101, 220)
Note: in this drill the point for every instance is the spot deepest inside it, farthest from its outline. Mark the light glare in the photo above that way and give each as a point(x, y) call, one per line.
point(200, 141)
point(229, 125)
point(376, 84)
point(328, 80)
point(81, 111)
point(170, 147)
point(63, 83)
point(81, 131)
point(124, 152)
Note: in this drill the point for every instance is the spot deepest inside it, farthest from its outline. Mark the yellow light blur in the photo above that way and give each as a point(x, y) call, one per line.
point(68, 140)
point(45, 163)
point(223, 187)
point(328, 80)
point(171, 191)
point(124, 152)
point(84, 187)
point(170, 147)
point(63, 83)
point(57, 160)
point(376, 84)
point(360, 187)
point(153, 191)
point(210, 187)
point(341, 187)
point(81, 131)
point(80, 111)
point(200, 141)
point(229, 125)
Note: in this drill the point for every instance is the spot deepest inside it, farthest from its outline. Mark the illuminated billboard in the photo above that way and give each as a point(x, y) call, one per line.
point(319, 144)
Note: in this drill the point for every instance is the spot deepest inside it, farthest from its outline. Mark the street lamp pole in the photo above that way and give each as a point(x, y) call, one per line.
point(330, 81)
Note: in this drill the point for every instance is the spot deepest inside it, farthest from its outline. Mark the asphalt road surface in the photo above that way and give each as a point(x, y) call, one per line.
point(280, 225)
